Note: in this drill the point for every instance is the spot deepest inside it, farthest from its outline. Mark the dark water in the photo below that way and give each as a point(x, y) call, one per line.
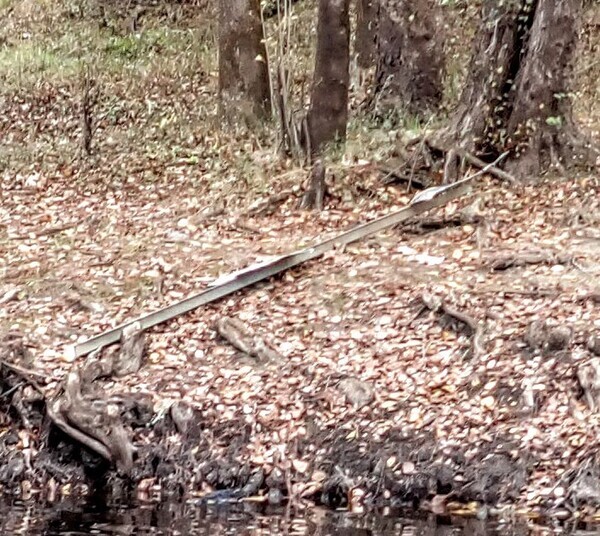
point(184, 519)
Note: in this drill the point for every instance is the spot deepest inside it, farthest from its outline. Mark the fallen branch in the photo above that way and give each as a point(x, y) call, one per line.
point(91, 423)
point(27, 375)
point(491, 169)
point(434, 224)
point(267, 206)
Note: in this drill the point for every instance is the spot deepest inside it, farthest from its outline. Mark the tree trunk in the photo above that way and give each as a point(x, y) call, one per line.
point(243, 68)
point(366, 28)
point(517, 96)
point(328, 113)
point(410, 60)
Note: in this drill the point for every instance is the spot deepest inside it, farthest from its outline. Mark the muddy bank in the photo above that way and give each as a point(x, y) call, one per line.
point(89, 439)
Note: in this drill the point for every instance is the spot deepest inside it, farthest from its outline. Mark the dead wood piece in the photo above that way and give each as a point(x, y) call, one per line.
point(548, 336)
point(593, 344)
point(517, 259)
point(474, 327)
point(423, 226)
point(451, 167)
point(133, 346)
point(314, 196)
point(93, 422)
point(357, 392)
point(242, 338)
point(99, 364)
point(182, 415)
point(89, 100)
point(455, 154)
point(12, 349)
point(589, 379)
point(115, 360)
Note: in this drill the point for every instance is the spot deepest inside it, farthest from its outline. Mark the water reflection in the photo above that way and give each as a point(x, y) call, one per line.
point(184, 519)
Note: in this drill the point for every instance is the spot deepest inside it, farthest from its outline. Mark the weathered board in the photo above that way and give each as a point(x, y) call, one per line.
point(230, 283)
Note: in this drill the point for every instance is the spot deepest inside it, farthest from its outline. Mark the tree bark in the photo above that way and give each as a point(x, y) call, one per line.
point(328, 113)
point(243, 68)
point(409, 54)
point(517, 95)
point(366, 29)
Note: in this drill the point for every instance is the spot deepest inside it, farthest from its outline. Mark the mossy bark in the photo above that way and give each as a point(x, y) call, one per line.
point(517, 96)
point(243, 68)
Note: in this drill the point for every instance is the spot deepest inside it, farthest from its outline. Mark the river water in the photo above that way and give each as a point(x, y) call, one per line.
point(184, 519)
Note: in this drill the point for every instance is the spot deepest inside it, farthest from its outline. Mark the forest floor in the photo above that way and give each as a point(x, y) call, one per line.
point(375, 399)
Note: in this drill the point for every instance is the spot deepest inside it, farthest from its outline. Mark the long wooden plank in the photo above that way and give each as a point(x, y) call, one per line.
point(230, 283)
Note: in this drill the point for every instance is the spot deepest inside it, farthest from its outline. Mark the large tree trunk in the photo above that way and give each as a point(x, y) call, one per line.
point(517, 95)
point(328, 113)
point(243, 68)
point(409, 55)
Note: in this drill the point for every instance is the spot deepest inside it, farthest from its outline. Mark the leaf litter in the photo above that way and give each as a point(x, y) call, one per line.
point(375, 399)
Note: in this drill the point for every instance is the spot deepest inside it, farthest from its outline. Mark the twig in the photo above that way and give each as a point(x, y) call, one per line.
point(393, 175)
point(22, 371)
point(47, 231)
point(12, 389)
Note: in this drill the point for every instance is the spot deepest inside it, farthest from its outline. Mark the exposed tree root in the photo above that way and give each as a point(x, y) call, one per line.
point(244, 339)
point(314, 196)
point(505, 261)
point(474, 327)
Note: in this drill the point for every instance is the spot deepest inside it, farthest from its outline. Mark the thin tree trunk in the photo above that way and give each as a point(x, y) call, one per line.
point(328, 112)
point(243, 68)
point(410, 60)
point(517, 95)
